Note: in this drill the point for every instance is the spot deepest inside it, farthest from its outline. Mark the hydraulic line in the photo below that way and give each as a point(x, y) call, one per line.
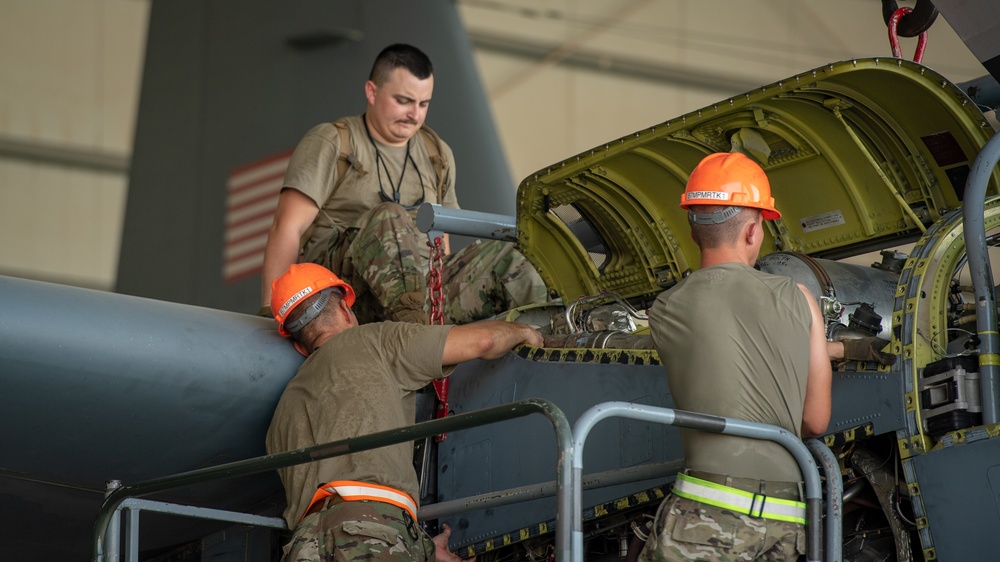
point(974, 230)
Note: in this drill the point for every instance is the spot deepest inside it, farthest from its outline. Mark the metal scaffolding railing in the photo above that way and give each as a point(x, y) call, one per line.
point(114, 501)
point(134, 506)
point(568, 484)
point(714, 424)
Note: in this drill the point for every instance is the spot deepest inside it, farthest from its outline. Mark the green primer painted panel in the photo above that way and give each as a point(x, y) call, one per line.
point(861, 154)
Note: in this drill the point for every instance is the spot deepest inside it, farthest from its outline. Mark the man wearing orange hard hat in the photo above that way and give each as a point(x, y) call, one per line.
point(359, 380)
point(739, 343)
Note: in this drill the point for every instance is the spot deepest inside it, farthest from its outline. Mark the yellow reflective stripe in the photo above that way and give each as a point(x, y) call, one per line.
point(741, 501)
point(733, 500)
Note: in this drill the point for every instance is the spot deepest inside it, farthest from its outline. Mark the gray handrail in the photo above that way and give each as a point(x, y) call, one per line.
point(834, 499)
point(703, 422)
point(974, 230)
point(593, 481)
point(564, 477)
point(135, 506)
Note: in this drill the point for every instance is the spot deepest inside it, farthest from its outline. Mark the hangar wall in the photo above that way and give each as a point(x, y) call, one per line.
point(69, 85)
point(562, 76)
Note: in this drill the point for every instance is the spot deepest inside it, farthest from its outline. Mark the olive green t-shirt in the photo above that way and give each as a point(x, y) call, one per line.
point(313, 171)
point(360, 381)
point(735, 342)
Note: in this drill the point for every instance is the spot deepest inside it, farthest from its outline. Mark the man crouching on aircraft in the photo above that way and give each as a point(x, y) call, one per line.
point(739, 343)
point(359, 380)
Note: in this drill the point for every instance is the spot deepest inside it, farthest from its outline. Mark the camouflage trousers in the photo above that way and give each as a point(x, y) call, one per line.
point(689, 530)
point(387, 257)
point(359, 530)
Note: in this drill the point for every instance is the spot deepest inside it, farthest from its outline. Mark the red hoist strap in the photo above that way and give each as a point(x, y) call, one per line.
point(352, 491)
point(436, 294)
point(894, 36)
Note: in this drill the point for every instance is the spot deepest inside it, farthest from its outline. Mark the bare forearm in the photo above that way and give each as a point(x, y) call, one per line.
point(486, 340)
point(281, 252)
point(835, 349)
point(509, 335)
point(293, 216)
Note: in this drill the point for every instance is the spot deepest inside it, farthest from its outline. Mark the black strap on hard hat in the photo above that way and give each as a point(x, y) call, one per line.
point(311, 311)
point(716, 217)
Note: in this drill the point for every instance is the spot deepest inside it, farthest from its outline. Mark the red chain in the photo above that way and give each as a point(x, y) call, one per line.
point(436, 294)
point(894, 36)
point(434, 286)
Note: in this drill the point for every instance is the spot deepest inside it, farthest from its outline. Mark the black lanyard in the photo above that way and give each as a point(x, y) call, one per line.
point(380, 165)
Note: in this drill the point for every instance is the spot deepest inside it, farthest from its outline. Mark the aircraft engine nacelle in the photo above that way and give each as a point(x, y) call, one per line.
point(856, 300)
point(861, 155)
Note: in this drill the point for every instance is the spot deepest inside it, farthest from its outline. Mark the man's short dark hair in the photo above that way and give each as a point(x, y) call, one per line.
point(718, 235)
point(309, 331)
point(400, 55)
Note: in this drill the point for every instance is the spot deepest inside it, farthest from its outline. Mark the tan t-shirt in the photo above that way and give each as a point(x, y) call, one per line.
point(358, 382)
point(735, 342)
point(313, 171)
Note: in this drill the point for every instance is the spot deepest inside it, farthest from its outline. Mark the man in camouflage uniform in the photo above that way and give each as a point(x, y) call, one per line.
point(388, 256)
point(363, 531)
point(360, 380)
point(739, 343)
point(350, 197)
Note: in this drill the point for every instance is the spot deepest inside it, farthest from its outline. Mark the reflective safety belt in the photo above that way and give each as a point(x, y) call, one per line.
point(351, 490)
point(740, 501)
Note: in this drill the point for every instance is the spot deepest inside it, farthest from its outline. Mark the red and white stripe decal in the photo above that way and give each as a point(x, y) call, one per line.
point(251, 199)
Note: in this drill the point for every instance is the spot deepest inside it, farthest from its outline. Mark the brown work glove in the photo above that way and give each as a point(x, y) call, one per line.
point(265, 311)
point(868, 349)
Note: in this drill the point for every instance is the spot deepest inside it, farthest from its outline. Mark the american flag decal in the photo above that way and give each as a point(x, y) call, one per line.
point(251, 199)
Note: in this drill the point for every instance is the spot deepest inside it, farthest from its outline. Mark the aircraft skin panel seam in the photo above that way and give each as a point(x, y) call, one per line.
point(588, 355)
point(961, 437)
point(850, 435)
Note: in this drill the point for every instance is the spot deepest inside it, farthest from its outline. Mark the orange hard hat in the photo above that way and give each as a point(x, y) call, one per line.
point(730, 179)
point(295, 285)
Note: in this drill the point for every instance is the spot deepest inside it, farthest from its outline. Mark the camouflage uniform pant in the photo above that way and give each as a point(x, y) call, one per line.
point(688, 530)
point(388, 256)
point(359, 530)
